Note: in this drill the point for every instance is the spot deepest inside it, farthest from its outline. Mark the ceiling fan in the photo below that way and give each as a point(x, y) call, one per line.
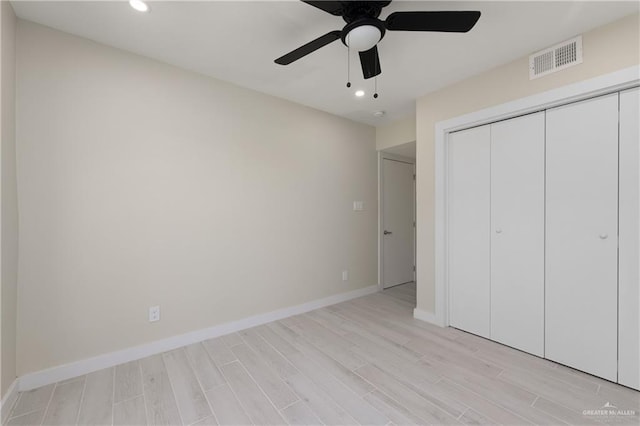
point(364, 30)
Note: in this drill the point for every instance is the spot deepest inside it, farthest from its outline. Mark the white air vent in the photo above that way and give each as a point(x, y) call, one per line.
point(556, 58)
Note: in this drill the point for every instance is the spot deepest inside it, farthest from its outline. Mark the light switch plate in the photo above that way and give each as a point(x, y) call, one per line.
point(358, 206)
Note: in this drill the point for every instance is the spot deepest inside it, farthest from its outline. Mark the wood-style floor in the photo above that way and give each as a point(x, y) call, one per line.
point(366, 361)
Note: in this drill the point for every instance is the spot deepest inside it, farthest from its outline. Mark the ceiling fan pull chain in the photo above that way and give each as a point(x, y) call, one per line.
point(348, 66)
point(375, 79)
point(375, 83)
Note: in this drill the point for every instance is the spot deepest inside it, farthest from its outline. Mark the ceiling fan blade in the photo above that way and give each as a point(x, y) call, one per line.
point(443, 21)
point(332, 7)
point(310, 47)
point(370, 62)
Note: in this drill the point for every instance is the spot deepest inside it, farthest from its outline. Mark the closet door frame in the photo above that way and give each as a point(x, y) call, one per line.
point(614, 82)
point(629, 242)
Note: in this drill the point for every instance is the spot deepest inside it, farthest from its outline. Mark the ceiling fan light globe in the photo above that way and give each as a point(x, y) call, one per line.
point(363, 38)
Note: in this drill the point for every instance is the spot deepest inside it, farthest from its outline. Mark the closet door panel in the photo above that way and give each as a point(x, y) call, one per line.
point(517, 233)
point(469, 233)
point(629, 255)
point(581, 229)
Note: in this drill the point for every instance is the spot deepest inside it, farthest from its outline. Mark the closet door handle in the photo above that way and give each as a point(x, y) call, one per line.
point(498, 231)
point(604, 236)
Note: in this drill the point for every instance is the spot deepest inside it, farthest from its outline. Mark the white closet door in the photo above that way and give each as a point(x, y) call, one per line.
point(629, 256)
point(517, 233)
point(469, 234)
point(581, 236)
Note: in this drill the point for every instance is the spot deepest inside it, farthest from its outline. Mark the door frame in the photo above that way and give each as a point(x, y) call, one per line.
point(601, 85)
point(394, 157)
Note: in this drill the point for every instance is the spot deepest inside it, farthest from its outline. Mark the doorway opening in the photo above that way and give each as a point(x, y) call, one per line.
point(397, 220)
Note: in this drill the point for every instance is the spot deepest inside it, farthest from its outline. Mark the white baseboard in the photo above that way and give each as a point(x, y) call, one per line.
point(427, 316)
point(85, 366)
point(7, 402)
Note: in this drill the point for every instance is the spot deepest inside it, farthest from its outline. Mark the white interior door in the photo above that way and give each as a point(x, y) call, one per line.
point(397, 217)
point(517, 232)
point(581, 235)
point(468, 189)
point(629, 255)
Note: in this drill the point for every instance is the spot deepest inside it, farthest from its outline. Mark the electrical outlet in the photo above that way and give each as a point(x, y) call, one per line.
point(345, 275)
point(154, 313)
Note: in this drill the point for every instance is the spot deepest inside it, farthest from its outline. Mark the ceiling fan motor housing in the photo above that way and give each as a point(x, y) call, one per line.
point(354, 10)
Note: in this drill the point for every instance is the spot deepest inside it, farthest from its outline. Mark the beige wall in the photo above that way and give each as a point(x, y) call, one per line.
point(8, 200)
point(396, 133)
point(143, 184)
point(606, 49)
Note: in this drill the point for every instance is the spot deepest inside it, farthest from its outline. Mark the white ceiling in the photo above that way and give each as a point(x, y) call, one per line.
point(237, 41)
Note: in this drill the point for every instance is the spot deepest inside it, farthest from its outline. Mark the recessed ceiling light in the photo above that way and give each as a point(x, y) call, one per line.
point(360, 93)
point(139, 5)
